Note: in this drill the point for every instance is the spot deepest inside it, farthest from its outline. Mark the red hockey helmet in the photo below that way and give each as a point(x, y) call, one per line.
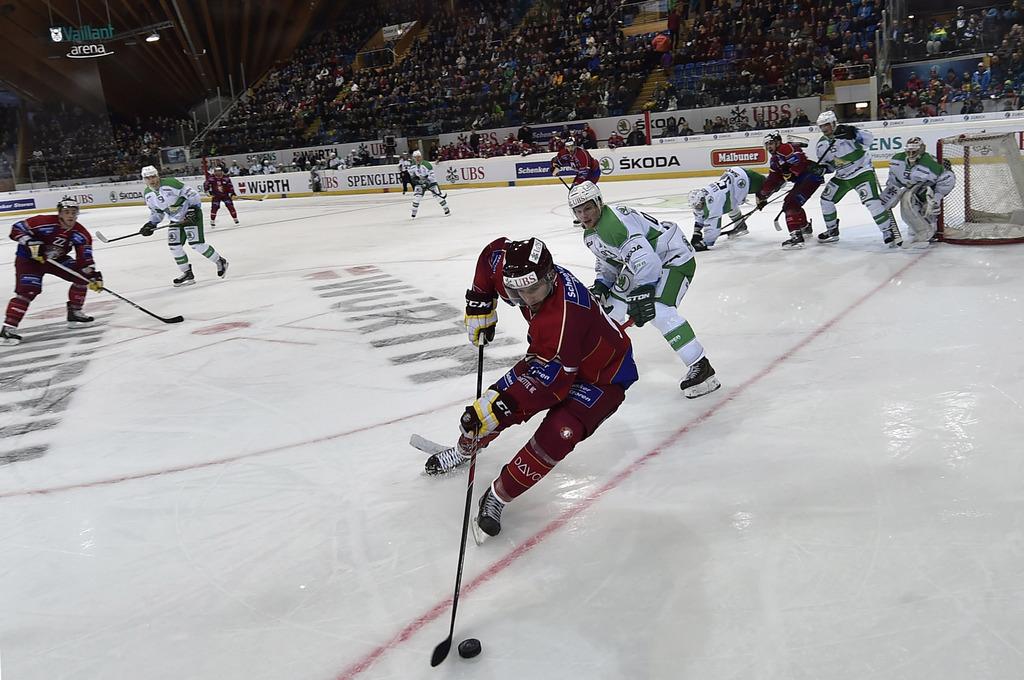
point(528, 272)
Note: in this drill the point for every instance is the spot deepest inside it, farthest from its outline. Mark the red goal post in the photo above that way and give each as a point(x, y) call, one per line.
point(986, 207)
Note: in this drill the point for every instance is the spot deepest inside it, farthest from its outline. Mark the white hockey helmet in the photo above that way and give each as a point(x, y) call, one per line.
point(68, 202)
point(583, 193)
point(828, 118)
point(150, 171)
point(914, 148)
point(697, 199)
point(417, 154)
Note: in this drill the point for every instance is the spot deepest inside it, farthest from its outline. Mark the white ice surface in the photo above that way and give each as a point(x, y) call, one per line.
point(243, 504)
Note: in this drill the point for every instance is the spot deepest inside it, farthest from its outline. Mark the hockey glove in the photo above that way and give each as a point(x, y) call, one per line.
point(846, 132)
point(641, 304)
point(600, 291)
point(35, 250)
point(481, 317)
point(191, 218)
point(147, 229)
point(762, 201)
point(889, 197)
point(95, 282)
point(485, 415)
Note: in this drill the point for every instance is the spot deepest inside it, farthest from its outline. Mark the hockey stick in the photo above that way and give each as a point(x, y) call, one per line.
point(743, 217)
point(441, 651)
point(103, 238)
point(252, 198)
point(567, 187)
point(171, 319)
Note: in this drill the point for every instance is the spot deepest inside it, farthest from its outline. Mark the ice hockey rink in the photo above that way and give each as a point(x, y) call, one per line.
point(234, 497)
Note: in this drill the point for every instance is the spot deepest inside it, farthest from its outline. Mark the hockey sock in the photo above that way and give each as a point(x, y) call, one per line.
point(231, 209)
point(180, 258)
point(213, 212)
point(206, 250)
point(16, 309)
point(76, 295)
point(524, 470)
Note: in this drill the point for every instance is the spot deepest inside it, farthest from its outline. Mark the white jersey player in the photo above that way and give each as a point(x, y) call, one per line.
point(170, 198)
point(644, 268)
point(922, 182)
point(844, 150)
point(422, 174)
point(722, 197)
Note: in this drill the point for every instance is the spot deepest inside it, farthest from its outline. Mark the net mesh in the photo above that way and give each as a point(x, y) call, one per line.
point(987, 204)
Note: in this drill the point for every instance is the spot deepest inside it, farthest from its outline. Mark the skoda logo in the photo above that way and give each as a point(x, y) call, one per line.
point(607, 165)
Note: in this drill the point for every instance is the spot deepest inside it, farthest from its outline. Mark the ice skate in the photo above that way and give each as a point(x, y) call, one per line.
point(891, 236)
point(699, 380)
point(236, 220)
point(213, 223)
point(8, 336)
point(445, 461)
point(808, 229)
point(488, 520)
point(830, 235)
point(795, 240)
point(222, 267)
point(77, 319)
point(698, 243)
point(739, 230)
point(186, 279)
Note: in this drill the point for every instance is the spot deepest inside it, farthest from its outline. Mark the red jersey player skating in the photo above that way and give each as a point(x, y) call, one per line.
point(575, 158)
point(220, 188)
point(578, 366)
point(50, 237)
point(790, 164)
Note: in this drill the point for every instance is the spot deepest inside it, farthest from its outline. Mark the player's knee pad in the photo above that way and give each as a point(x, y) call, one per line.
point(557, 436)
point(28, 287)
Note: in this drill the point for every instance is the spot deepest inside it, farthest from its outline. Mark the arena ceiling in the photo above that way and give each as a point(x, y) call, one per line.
point(203, 42)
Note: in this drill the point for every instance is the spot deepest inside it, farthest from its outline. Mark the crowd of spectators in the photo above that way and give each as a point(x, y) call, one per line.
point(922, 37)
point(74, 143)
point(766, 50)
point(8, 142)
point(281, 108)
point(481, 64)
point(993, 84)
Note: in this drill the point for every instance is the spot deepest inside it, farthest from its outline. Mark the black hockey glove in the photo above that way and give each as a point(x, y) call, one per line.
point(600, 291)
point(481, 317)
point(485, 415)
point(192, 218)
point(147, 229)
point(762, 201)
point(846, 132)
point(95, 281)
point(35, 249)
point(641, 304)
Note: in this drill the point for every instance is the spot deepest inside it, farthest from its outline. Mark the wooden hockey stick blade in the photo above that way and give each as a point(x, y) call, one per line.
point(100, 236)
point(425, 445)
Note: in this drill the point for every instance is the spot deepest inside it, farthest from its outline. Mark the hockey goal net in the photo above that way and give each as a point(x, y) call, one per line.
point(986, 206)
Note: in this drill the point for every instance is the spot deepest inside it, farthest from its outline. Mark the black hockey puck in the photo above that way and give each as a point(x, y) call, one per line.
point(469, 648)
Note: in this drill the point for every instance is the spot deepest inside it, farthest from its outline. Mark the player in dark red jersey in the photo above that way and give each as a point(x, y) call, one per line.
point(572, 157)
point(790, 164)
point(578, 366)
point(220, 188)
point(50, 237)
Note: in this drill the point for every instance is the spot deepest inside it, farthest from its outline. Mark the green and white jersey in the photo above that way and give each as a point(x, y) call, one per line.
point(847, 157)
point(632, 248)
point(423, 173)
point(171, 199)
point(925, 171)
point(725, 195)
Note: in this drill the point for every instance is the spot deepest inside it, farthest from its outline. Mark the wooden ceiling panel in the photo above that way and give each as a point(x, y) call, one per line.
point(166, 77)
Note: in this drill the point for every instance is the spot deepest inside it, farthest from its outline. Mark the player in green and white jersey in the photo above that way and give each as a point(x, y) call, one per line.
point(724, 196)
point(922, 183)
point(169, 198)
point(644, 268)
point(422, 174)
point(844, 150)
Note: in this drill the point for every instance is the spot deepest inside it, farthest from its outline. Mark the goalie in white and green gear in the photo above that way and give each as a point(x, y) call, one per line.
point(844, 150)
point(423, 178)
point(168, 197)
point(919, 183)
point(643, 269)
point(724, 196)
